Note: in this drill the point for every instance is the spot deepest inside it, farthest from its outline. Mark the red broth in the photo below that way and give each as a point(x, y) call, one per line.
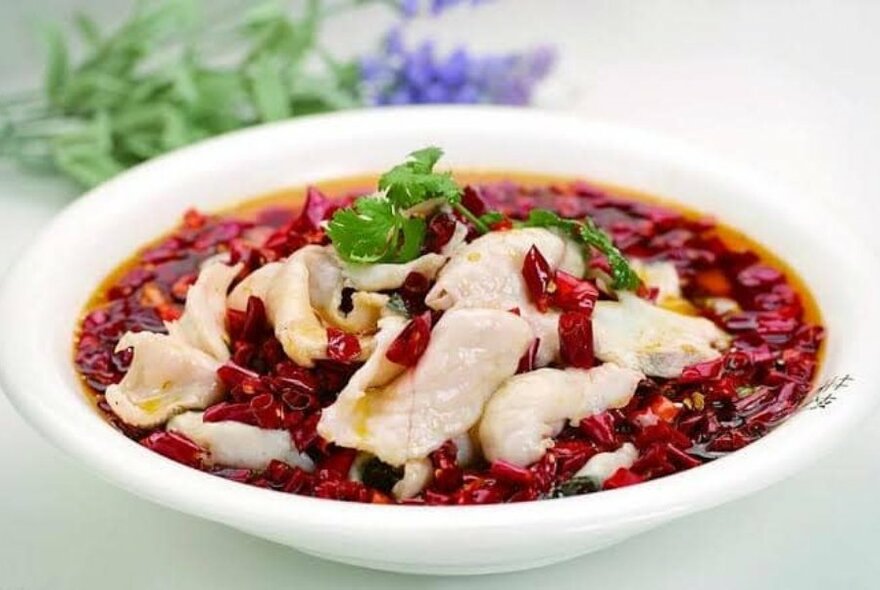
point(713, 409)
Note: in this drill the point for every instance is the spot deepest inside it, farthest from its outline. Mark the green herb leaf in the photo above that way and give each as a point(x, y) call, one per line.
point(380, 476)
point(311, 94)
point(547, 218)
point(575, 486)
point(377, 228)
point(373, 230)
point(415, 181)
point(86, 165)
point(413, 230)
point(176, 131)
point(397, 305)
point(491, 218)
point(589, 234)
point(622, 273)
point(745, 391)
point(274, 33)
point(88, 29)
point(269, 92)
point(57, 64)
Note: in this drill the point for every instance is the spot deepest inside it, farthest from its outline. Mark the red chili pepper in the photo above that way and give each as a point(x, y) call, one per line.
point(224, 411)
point(411, 343)
point(268, 412)
point(254, 319)
point(576, 339)
point(175, 446)
point(194, 219)
point(441, 228)
point(181, 286)
point(341, 346)
point(664, 409)
point(573, 294)
point(235, 323)
point(511, 473)
point(338, 462)
point(621, 478)
point(502, 225)
point(700, 372)
point(473, 201)
point(317, 208)
point(278, 471)
point(240, 379)
point(600, 429)
point(539, 278)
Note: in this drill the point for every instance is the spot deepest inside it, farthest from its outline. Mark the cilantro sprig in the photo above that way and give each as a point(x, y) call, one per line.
point(381, 227)
point(375, 230)
point(589, 234)
point(414, 181)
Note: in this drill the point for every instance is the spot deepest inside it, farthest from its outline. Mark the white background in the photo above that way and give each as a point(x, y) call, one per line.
point(791, 89)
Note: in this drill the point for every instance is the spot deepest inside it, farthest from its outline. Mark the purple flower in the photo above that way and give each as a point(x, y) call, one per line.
point(413, 8)
point(410, 8)
point(400, 75)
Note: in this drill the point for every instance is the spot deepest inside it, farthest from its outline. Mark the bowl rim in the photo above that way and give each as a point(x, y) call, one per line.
point(146, 474)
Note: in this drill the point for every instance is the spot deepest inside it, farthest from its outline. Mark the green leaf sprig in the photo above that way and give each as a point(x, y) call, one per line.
point(576, 486)
point(380, 227)
point(163, 79)
point(415, 181)
point(374, 229)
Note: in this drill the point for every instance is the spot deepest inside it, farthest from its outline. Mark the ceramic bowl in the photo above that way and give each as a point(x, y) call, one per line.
point(43, 296)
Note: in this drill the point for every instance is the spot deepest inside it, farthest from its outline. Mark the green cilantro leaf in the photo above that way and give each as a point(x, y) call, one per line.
point(379, 229)
point(397, 305)
point(547, 218)
point(575, 486)
point(589, 234)
point(623, 274)
point(380, 476)
point(373, 230)
point(415, 181)
point(492, 217)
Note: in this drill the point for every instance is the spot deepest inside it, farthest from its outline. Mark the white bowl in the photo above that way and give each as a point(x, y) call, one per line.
point(44, 294)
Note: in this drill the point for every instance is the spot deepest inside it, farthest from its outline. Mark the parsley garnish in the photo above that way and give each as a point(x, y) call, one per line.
point(413, 182)
point(378, 228)
point(575, 486)
point(397, 305)
point(375, 230)
point(589, 234)
point(380, 476)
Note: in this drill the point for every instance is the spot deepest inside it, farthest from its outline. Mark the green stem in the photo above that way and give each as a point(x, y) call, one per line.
point(481, 227)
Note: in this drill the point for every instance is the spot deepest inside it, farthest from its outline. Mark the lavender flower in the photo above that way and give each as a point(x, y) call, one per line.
point(399, 75)
point(412, 8)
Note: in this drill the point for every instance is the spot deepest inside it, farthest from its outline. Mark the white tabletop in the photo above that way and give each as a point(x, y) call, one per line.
point(790, 89)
